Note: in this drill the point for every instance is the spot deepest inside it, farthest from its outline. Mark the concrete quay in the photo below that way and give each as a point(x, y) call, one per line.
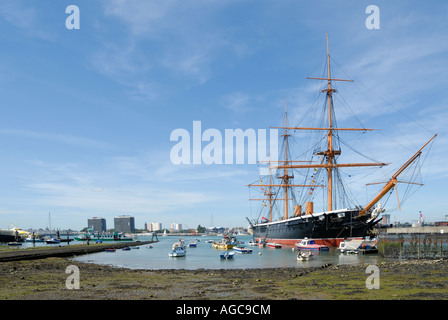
point(64, 251)
point(418, 230)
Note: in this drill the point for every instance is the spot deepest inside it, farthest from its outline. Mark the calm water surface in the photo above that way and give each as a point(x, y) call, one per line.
point(205, 256)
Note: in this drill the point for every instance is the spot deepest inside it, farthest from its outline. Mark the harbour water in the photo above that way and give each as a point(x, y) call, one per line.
point(206, 257)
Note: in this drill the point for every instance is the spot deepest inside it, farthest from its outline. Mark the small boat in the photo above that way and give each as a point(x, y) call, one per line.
point(193, 244)
point(36, 239)
point(135, 247)
point(274, 245)
point(52, 241)
point(253, 243)
point(149, 246)
point(177, 252)
point(309, 244)
point(110, 250)
point(116, 236)
point(126, 248)
point(358, 246)
point(261, 243)
point(242, 249)
point(14, 244)
point(225, 244)
point(227, 255)
point(178, 249)
point(304, 255)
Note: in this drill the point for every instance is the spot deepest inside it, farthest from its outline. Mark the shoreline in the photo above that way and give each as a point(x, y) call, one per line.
point(34, 253)
point(45, 279)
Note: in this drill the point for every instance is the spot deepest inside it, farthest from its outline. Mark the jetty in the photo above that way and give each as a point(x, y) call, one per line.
point(64, 251)
point(418, 230)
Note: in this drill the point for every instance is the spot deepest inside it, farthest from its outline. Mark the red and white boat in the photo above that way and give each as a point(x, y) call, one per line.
point(274, 245)
point(309, 244)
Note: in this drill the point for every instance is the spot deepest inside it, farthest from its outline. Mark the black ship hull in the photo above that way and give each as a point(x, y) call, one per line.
point(6, 236)
point(328, 228)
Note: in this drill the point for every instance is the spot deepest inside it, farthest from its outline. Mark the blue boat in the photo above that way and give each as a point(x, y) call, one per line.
point(226, 255)
point(52, 241)
point(242, 249)
point(193, 244)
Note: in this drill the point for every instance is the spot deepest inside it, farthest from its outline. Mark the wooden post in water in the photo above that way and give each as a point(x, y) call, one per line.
point(418, 247)
point(441, 248)
point(400, 242)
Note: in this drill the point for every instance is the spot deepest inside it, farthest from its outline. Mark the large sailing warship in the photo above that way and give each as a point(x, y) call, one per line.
point(332, 225)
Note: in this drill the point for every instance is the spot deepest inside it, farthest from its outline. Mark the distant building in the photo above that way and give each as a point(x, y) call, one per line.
point(97, 224)
point(155, 226)
point(215, 230)
point(176, 226)
point(124, 223)
point(386, 219)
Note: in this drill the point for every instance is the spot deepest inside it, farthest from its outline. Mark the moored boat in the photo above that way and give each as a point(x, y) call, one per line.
point(14, 243)
point(31, 239)
point(52, 241)
point(358, 246)
point(321, 173)
point(13, 235)
point(242, 249)
point(226, 243)
point(193, 244)
point(178, 249)
point(116, 236)
point(310, 244)
point(227, 255)
point(274, 245)
point(304, 255)
point(177, 252)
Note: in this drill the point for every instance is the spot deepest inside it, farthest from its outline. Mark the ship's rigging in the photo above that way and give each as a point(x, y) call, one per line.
point(321, 174)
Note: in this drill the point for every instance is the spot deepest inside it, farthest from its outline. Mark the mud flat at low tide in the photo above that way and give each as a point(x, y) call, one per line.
point(45, 279)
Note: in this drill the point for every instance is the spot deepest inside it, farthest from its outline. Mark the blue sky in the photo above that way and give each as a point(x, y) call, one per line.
point(86, 115)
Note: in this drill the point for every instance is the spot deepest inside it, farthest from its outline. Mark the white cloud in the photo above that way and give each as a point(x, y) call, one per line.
point(26, 18)
point(57, 137)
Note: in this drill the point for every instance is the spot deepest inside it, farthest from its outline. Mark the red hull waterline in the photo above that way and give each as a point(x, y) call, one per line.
point(330, 242)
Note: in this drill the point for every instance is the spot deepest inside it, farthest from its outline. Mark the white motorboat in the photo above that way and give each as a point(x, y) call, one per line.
point(178, 249)
point(304, 255)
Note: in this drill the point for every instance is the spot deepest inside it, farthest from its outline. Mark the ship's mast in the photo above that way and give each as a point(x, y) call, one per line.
point(285, 176)
point(329, 155)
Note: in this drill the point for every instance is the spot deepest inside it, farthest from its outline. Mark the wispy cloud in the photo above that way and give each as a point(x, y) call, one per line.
point(167, 43)
point(26, 18)
point(116, 186)
point(57, 137)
